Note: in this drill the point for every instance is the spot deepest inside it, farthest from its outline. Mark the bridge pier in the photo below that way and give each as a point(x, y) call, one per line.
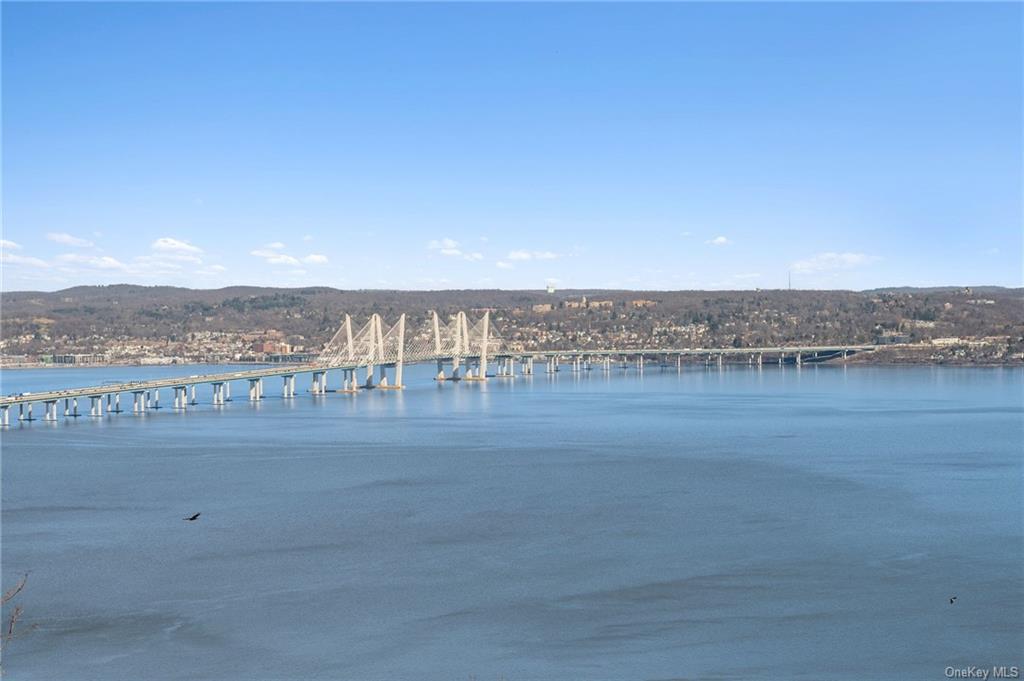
point(640, 363)
point(51, 410)
point(552, 364)
point(116, 409)
point(193, 401)
point(760, 359)
point(218, 394)
point(799, 359)
point(5, 417)
point(95, 405)
point(138, 401)
point(179, 397)
point(782, 358)
point(476, 369)
point(720, 356)
point(156, 398)
point(255, 389)
point(349, 382)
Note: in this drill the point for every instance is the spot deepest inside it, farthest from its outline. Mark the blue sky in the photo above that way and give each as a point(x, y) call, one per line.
point(412, 146)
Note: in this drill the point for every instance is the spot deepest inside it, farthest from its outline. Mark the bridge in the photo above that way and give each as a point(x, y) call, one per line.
point(462, 352)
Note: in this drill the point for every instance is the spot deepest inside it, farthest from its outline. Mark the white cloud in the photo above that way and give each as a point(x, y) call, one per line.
point(747, 275)
point(442, 244)
point(273, 257)
point(315, 259)
point(275, 246)
point(504, 265)
point(168, 245)
point(156, 264)
point(9, 245)
point(531, 255)
point(66, 239)
point(15, 259)
point(215, 269)
point(99, 262)
point(827, 262)
point(450, 248)
point(307, 237)
point(718, 241)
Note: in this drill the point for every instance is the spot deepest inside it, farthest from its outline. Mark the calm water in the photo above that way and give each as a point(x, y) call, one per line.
point(736, 524)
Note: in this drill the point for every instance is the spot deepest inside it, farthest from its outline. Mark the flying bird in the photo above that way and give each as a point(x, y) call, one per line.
point(952, 600)
point(192, 517)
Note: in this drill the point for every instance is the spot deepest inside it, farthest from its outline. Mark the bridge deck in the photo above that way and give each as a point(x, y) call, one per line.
point(291, 369)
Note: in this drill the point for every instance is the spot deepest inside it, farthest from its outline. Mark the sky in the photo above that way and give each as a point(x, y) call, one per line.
point(436, 146)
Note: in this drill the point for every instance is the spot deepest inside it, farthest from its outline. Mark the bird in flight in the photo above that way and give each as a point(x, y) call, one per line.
point(196, 516)
point(952, 600)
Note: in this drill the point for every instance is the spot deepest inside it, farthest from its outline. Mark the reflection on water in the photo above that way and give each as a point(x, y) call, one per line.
point(744, 523)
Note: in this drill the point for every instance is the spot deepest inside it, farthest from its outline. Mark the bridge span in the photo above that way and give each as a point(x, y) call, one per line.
point(461, 352)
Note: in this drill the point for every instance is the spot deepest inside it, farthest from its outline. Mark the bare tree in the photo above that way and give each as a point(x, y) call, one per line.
point(8, 632)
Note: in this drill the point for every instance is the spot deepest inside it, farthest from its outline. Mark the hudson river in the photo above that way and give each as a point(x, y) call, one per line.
point(740, 524)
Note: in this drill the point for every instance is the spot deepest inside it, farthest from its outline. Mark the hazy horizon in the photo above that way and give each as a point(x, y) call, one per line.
point(531, 290)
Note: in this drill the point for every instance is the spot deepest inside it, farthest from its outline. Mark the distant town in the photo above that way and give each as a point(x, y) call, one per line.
point(99, 325)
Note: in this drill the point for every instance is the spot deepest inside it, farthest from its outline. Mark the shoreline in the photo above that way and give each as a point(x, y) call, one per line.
point(851, 362)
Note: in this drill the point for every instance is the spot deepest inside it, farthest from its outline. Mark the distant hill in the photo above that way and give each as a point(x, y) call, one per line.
point(83, 318)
